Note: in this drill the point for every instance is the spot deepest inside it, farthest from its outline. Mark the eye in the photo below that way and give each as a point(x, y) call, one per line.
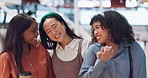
point(97, 27)
point(48, 31)
point(35, 31)
point(54, 26)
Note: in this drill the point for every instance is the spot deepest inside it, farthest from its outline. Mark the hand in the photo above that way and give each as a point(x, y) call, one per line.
point(37, 44)
point(106, 53)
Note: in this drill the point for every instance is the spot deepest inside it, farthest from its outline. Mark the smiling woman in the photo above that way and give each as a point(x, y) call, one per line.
point(68, 48)
point(114, 52)
point(20, 51)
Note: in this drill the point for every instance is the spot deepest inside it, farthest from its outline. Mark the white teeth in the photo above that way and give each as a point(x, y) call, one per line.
point(35, 39)
point(57, 35)
point(98, 37)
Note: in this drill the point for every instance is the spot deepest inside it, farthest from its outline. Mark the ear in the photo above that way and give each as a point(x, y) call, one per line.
point(22, 35)
point(63, 25)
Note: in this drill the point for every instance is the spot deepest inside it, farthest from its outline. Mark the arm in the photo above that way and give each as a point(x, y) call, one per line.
point(49, 66)
point(85, 45)
point(4, 66)
point(92, 67)
point(139, 61)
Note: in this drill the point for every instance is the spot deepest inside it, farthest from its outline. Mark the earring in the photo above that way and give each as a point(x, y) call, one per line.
point(110, 38)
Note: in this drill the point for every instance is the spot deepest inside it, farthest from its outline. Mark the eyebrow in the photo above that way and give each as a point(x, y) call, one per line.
point(97, 25)
point(35, 27)
point(47, 30)
point(53, 24)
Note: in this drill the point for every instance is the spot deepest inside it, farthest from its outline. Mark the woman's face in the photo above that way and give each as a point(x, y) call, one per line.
point(30, 35)
point(54, 29)
point(102, 35)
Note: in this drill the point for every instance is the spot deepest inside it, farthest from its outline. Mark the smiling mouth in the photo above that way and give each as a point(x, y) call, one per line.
point(57, 35)
point(98, 37)
point(35, 39)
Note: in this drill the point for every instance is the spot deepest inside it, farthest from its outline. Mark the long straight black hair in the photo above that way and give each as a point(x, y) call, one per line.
point(13, 40)
point(46, 41)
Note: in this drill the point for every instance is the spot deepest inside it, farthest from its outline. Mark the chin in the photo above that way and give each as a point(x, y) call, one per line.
point(59, 40)
point(100, 42)
point(34, 43)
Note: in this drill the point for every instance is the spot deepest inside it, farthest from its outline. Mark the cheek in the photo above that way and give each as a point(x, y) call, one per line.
point(62, 30)
point(49, 35)
point(95, 33)
point(28, 38)
point(25, 39)
point(107, 36)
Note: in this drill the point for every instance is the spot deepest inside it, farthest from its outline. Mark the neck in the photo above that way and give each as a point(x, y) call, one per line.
point(114, 46)
point(26, 49)
point(66, 41)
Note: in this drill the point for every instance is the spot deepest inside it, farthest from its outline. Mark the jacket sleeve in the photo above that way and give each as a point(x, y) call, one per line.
point(5, 68)
point(138, 61)
point(49, 66)
point(92, 67)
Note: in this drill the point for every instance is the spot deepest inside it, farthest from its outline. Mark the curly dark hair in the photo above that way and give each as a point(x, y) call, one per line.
point(120, 29)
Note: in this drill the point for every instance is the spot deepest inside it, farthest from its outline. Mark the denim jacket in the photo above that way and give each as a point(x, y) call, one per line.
point(116, 67)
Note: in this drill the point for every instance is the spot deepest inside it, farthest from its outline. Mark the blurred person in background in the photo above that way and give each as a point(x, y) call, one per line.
point(114, 52)
point(68, 48)
point(22, 52)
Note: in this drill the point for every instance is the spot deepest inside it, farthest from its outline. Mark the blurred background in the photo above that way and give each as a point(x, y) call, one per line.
point(78, 13)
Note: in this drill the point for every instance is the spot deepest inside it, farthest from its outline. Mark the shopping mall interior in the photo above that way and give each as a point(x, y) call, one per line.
point(78, 13)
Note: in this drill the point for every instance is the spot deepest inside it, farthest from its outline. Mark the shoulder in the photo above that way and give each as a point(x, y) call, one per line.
point(40, 46)
point(4, 56)
point(92, 50)
point(136, 49)
point(95, 47)
point(40, 49)
point(135, 44)
point(85, 43)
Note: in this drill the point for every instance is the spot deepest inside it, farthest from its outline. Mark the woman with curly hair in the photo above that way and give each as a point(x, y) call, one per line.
point(114, 52)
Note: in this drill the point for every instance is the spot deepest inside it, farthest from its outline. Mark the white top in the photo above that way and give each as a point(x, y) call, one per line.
point(71, 50)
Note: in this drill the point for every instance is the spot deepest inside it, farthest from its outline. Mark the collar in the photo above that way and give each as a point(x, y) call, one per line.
point(122, 45)
point(72, 44)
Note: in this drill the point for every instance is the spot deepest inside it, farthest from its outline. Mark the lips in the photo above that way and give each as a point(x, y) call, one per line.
point(98, 37)
point(35, 39)
point(57, 35)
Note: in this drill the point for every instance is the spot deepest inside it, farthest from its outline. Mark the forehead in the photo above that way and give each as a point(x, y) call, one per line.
point(49, 22)
point(33, 25)
point(97, 23)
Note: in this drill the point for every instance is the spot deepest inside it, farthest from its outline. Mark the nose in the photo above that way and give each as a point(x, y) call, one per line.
point(53, 31)
point(36, 33)
point(95, 32)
